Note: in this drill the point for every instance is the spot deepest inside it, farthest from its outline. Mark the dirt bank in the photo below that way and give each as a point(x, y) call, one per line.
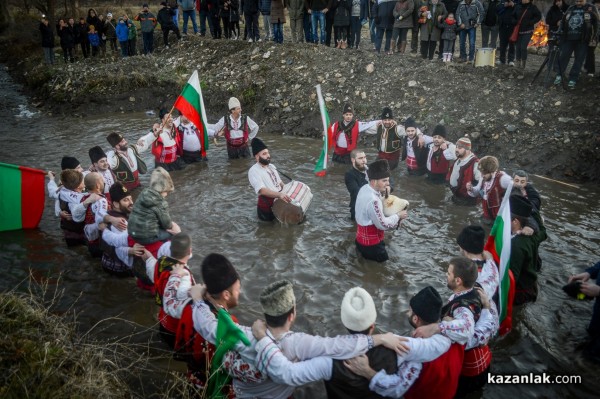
point(551, 132)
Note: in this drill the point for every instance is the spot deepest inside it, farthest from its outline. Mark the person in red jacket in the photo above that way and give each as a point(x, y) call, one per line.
point(346, 134)
point(166, 146)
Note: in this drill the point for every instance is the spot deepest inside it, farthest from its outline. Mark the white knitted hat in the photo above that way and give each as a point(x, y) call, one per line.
point(358, 310)
point(234, 103)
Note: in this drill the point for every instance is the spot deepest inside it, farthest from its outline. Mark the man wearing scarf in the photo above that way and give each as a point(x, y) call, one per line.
point(346, 134)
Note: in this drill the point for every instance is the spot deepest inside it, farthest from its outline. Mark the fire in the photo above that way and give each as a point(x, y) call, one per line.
point(540, 36)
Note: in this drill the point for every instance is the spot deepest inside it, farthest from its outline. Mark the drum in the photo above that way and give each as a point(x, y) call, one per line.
point(485, 57)
point(293, 212)
point(393, 205)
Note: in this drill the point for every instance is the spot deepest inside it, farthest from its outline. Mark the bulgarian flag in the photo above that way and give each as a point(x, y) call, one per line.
point(23, 196)
point(321, 166)
point(498, 244)
point(191, 105)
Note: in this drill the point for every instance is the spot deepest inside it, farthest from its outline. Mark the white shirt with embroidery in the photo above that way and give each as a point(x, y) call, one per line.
point(261, 176)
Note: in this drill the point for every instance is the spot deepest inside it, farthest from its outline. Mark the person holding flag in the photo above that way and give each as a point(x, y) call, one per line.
point(345, 134)
point(166, 146)
point(323, 161)
point(190, 139)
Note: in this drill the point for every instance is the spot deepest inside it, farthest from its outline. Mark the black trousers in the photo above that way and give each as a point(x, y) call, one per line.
point(376, 252)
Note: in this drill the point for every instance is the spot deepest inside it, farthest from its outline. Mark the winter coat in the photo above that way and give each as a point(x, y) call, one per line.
point(384, 16)
point(165, 18)
point(187, 5)
point(296, 9)
point(316, 5)
point(150, 213)
point(131, 30)
point(67, 40)
point(580, 24)
point(94, 39)
point(343, 9)
point(122, 31)
point(264, 6)
point(278, 11)
point(81, 31)
point(451, 6)
point(111, 29)
point(430, 29)
point(234, 11)
point(250, 7)
point(93, 20)
point(448, 31)
point(47, 35)
point(507, 15)
point(147, 21)
point(554, 16)
point(416, 14)
point(469, 14)
point(490, 17)
point(404, 9)
point(532, 16)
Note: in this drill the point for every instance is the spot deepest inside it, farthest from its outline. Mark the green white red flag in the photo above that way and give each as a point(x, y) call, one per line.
point(499, 244)
point(191, 105)
point(23, 197)
point(322, 163)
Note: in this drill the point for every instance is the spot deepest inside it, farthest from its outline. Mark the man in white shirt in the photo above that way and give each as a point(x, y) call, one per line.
point(191, 140)
point(265, 180)
point(101, 166)
point(238, 130)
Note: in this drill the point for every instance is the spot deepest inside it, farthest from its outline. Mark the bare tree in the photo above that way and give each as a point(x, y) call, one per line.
point(5, 17)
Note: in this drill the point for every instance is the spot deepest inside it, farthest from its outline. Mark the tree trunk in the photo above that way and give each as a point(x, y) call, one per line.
point(5, 18)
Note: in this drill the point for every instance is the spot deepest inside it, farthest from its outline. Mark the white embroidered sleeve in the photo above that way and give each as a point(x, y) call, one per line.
point(304, 346)
point(425, 349)
point(253, 128)
point(485, 328)
point(450, 152)
point(461, 329)
point(52, 189)
point(172, 304)
point(379, 219)
point(396, 385)
point(150, 266)
point(368, 127)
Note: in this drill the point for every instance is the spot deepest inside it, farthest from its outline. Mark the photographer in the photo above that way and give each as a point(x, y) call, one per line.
point(469, 16)
point(165, 19)
point(588, 288)
point(553, 17)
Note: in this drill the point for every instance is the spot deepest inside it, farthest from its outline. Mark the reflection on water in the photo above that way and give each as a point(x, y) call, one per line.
point(215, 203)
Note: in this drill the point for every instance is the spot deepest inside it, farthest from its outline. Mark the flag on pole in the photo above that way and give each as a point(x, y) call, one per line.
point(23, 197)
point(191, 105)
point(498, 244)
point(321, 166)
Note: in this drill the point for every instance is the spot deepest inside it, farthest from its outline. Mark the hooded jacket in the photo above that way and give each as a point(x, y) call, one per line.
point(150, 213)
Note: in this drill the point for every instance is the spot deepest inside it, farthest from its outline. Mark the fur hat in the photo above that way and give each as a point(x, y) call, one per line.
point(71, 178)
point(464, 142)
point(69, 163)
point(348, 109)
point(387, 113)
point(410, 122)
point(257, 146)
point(96, 153)
point(489, 164)
point(427, 304)
point(218, 273)
point(234, 103)
point(278, 298)
point(520, 206)
point(118, 191)
point(358, 310)
point(472, 239)
point(379, 169)
point(114, 139)
point(161, 181)
point(439, 130)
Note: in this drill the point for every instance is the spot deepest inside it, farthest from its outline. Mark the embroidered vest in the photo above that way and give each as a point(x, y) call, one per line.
point(123, 172)
point(465, 175)
point(351, 139)
point(240, 141)
point(389, 138)
point(69, 225)
point(439, 163)
point(491, 205)
point(421, 153)
point(158, 145)
point(470, 300)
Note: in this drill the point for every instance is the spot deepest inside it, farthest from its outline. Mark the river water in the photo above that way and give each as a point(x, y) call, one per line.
point(216, 205)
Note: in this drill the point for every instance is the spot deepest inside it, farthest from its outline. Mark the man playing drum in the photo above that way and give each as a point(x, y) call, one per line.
point(265, 180)
point(370, 220)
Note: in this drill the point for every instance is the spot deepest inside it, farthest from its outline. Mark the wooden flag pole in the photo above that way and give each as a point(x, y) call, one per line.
point(556, 181)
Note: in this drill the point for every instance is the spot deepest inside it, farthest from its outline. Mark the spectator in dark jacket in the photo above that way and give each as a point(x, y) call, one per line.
point(403, 22)
point(47, 41)
point(67, 41)
point(341, 22)
point(147, 25)
point(250, 8)
point(384, 20)
point(81, 32)
point(92, 18)
point(590, 59)
point(278, 19)
point(203, 12)
point(188, 7)
point(214, 11)
point(165, 19)
point(317, 10)
point(508, 19)
point(527, 15)
point(110, 30)
point(469, 16)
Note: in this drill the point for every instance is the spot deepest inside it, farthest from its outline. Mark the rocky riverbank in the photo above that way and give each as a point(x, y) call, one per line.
point(547, 131)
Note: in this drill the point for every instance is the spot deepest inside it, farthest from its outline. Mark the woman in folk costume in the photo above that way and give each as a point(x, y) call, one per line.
point(346, 134)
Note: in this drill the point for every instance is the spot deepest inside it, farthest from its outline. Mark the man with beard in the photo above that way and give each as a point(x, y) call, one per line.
point(191, 148)
point(370, 220)
point(265, 180)
point(125, 161)
point(238, 129)
point(346, 134)
point(356, 177)
point(100, 165)
point(389, 138)
point(440, 156)
point(167, 145)
point(491, 187)
point(464, 171)
point(414, 149)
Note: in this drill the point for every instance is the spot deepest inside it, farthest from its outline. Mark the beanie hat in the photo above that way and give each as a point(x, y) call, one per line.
point(278, 298)
point(145, 5)
point(96, 153)
point(348, 108)
point(520, 206)
point(114, 139)
point(488, 164)
point(387, 113)
point(234, 103)
point(109, 14)
point(427, 304)
point(464, 142)
point(472, 239)
point(379, 169)
point(218, 273)
point(358, 310)
point(71, 178)
point(439, 130)
point(257, 146)
point(161, 181)
point(118, 191)
point(69, 163)
point(410, 122)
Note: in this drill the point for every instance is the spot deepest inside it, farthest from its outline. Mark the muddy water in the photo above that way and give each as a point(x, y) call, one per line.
point(215, 203)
